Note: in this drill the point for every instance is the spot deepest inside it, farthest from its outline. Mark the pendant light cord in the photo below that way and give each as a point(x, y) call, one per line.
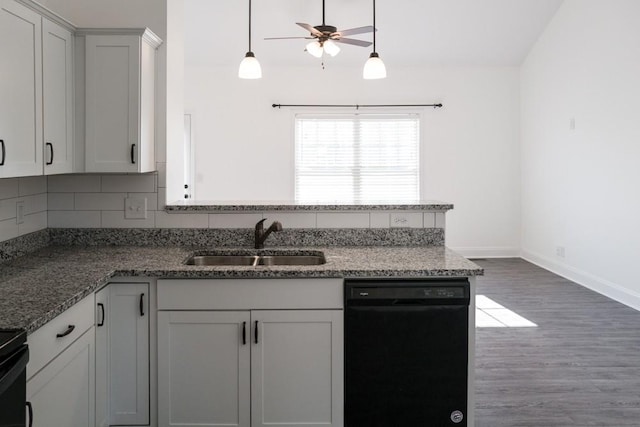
point(374, 25)
point(250, 26)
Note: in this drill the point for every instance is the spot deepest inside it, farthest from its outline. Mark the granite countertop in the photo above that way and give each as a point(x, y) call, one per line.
point(37, 287)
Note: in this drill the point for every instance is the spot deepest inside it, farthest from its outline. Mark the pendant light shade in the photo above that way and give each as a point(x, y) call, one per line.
point(250, 67)
point(374, 67)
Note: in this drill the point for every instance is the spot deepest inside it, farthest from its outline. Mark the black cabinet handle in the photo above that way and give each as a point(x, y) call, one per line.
point(101, 305)
point(70, 329)
point(50, 145)
point(244, 333)
point(256, 332)
point(4, 152)
point(142, 304)
point(30, 412)
point(133, 152)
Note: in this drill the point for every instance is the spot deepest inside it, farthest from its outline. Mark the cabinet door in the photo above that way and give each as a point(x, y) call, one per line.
point(57, 93)
point(20, 91)
point(297, 368)
point(112, 103)
point(102, 361)
point(128, 320)
point(203, 368)
point(62, 394)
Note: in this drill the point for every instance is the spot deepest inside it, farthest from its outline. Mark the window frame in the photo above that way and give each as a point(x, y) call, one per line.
point(339, 111)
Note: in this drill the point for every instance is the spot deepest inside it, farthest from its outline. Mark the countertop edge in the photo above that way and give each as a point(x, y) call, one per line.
point(201, 208)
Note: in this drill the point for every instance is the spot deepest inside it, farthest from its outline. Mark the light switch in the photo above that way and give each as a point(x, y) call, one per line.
point(135, 208)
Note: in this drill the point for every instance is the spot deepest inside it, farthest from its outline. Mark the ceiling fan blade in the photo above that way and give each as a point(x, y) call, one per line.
point(309, 28)
point(353, 42)
point(287, 38)
point(352, 31)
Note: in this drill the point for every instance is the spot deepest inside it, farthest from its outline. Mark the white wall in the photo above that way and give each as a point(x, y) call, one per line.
point(244, 148)
point(581, 187)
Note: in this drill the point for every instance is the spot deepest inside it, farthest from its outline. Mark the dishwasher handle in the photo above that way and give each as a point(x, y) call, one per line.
point(408, 302)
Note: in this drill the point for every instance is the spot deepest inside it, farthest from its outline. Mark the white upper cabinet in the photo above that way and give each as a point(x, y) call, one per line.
point(57, 78)
point(20, 90)
point(120, 100)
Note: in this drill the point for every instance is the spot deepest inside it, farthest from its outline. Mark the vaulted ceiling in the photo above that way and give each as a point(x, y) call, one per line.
point(410, 32)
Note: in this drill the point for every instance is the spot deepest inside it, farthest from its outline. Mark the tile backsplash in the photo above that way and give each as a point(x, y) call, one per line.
point(97, 201)
point(31, 194)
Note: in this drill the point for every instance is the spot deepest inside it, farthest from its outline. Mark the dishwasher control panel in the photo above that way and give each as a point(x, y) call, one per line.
point(408, 293)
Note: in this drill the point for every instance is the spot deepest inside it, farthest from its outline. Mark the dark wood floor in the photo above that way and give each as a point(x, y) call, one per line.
point(579, 367)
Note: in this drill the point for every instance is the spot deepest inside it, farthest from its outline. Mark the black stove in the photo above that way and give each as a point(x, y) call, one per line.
point(14, 356)
point(11, 340)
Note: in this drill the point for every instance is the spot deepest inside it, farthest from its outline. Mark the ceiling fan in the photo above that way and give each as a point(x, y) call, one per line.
point(326, 36)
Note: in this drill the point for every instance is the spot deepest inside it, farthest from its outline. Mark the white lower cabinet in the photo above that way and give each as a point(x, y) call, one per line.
point(122, 354)
point(297, 368)
point(102, 361)
point(203, 368)
point(62, 393)
point(250, 368)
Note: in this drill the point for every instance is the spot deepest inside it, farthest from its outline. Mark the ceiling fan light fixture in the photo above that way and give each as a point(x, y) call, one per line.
point(331, 47)
point(250, 67)
point(374, 68)
point(315, 48)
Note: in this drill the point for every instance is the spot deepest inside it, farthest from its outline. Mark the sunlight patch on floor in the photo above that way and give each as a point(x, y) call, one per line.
point(490, 314)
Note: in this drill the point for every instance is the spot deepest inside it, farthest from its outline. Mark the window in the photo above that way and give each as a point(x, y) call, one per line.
point(357, 158)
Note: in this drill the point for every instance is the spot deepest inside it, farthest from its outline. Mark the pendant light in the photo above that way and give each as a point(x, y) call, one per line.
point(250, 67)
point(374, 67)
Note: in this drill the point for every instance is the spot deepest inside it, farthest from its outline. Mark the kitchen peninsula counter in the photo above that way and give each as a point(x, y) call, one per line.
point(37, 287)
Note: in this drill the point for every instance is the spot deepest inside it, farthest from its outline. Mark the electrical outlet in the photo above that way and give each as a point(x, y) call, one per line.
point(20, 212)
point(572, 123)
point(135, 208)
point(560, 251)
point(407, 219)
point(399, 221)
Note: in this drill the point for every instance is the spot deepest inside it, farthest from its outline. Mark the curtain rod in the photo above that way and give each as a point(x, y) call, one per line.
point(356, 106)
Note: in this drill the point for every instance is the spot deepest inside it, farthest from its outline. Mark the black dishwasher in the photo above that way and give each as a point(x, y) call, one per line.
point(406, 352)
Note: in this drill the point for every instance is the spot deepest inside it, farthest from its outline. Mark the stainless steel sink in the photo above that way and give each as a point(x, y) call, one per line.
point(222, 260)
point(292, 260)
point(316, 258)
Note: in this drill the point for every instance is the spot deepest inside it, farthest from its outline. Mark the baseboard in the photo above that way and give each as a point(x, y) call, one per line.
point(590, 281)
point(487, 252)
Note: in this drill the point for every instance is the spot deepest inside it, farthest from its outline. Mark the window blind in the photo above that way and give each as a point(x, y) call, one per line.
point(357, 158)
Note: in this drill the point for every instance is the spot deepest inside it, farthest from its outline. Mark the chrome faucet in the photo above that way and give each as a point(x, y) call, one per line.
point(262, 234)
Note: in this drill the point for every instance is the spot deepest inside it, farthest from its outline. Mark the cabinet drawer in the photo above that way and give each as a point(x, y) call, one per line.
point(246, 294)
point(44, 345)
